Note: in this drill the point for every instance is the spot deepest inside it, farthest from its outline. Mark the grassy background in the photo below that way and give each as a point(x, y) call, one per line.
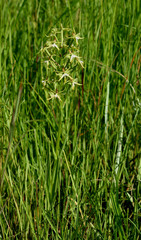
point(71, 172)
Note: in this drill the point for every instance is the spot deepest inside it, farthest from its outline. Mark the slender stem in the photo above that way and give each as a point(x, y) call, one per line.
point(11, 131)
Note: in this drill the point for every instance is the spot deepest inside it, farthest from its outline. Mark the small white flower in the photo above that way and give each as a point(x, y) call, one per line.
point(47, 62)
point(75, 83)
point(52, 45)
point(73, 56)
point(78, 59)
point(81, 62)
point(77, 37)
point(55, 46)
point(44, 82)
point(65, 75)
point(55, 96)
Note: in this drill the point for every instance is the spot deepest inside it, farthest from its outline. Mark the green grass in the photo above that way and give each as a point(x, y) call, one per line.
point(71, 170)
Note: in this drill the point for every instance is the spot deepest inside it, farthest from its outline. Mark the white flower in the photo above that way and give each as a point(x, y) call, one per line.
point(65, 75)
point(77, 37)
point(73, 56)
point(75, 83)
point(55, 45)
point(47, 62)
point(55, 96)
point(44, 82)
point(78, 59)
point(81, 62)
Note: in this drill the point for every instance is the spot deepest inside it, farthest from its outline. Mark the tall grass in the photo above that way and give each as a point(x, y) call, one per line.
point(71, 170)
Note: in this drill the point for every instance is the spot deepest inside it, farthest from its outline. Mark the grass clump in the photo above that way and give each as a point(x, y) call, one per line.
point(70, 138)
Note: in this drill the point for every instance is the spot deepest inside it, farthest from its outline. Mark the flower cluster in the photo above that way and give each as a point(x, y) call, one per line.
point(61, 63)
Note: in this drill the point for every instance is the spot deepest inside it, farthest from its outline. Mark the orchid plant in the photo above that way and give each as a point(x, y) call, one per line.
point(61, 63)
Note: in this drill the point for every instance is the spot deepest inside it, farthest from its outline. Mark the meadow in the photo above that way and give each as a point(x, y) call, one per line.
point(70, 146)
